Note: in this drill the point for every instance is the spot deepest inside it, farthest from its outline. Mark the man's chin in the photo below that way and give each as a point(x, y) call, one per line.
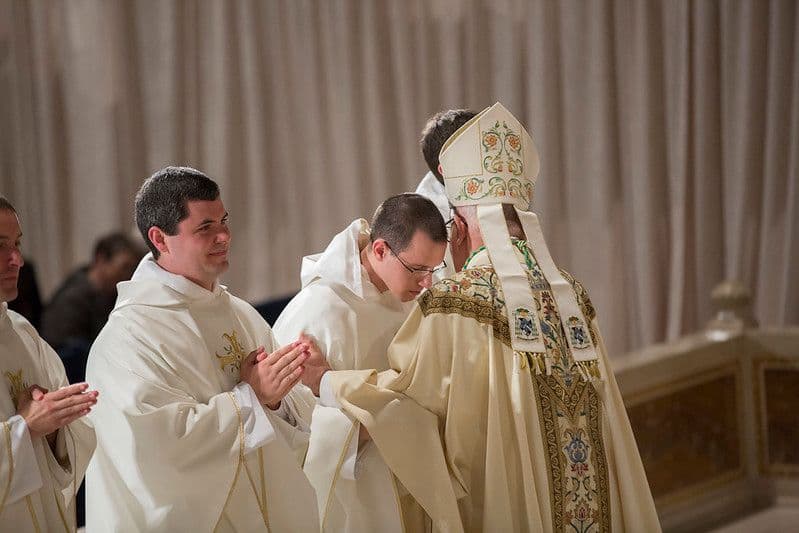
point(411, 296)
point(8, 295)
point(221, 266)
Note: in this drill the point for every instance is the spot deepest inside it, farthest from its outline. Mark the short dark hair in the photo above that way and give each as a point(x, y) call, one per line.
point(438, 129)
point(110, 245)
point(5, 205)
point(163, 198)
point(397, 220)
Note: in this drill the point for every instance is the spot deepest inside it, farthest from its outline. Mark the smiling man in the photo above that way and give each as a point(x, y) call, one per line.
point(355, 296)
point(197, 433)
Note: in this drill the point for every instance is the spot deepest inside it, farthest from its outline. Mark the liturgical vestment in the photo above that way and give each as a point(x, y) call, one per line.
point(353, 324)
point(181, 444)
point(489, 439)
point(37, 483)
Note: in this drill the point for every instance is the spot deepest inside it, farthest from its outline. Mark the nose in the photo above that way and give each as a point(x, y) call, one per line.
point(16, 258)
point(427, 280)
point(223, 235)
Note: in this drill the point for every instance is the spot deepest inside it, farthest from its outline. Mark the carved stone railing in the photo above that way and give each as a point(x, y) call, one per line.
point(716, 417)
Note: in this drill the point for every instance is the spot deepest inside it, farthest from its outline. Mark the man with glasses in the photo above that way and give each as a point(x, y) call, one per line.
point(355, 296)
point(500, 411)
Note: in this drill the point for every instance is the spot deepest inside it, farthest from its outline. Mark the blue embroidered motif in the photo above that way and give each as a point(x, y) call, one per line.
point(577, 333)
point(525, 324)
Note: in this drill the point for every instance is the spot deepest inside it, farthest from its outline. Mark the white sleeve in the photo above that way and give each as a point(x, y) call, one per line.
point(258, 429)
point(19, 470)
point(326, 395)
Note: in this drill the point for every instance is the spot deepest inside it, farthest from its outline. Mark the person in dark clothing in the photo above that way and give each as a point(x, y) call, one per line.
point(29, 300)
point(80, 306)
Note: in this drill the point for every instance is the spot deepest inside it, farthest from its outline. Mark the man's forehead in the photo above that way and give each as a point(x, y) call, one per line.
point(423, 250)
point(9, 225)
point(205, 208)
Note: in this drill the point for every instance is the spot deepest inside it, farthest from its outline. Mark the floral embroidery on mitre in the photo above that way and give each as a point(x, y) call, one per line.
point(234, 353)
point(525, 324)
point(17, 385)
point(501, 150)
point(578, 333)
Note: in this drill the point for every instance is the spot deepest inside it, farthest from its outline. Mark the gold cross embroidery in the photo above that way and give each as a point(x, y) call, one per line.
point(18, 384)
point(234, 353)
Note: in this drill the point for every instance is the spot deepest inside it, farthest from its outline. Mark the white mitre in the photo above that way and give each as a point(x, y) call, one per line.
point(489, 161)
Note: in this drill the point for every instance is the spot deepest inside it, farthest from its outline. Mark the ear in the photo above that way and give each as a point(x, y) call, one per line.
point(460, 230)
point(379, 248)
point(158, 238)
point(440, 169)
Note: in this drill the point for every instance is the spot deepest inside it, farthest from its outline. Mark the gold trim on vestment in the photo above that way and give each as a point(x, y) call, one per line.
point(33, 514)
point(261, 504)
point(433, 302)
point(243, 461)
point(582, 400)
point(7, 432)
point(475, 294)
point(570, 409)
point(263, 477)
point(238, 464)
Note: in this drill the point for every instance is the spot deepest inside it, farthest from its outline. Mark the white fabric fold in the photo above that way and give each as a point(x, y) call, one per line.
point(258, 430)
point(35, 480)
point(327, 397)
point(352, 323)
point(26, 475)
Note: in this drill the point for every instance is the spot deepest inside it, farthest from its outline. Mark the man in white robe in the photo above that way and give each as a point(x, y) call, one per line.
point(45, 443)
point(197, 433)
point(500, 411)
point(354, 297)
point(435, 133)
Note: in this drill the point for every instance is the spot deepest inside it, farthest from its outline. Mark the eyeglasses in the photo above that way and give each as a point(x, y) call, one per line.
point(417, 272)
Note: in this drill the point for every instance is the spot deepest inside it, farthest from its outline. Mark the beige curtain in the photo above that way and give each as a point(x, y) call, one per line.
point(669, 131)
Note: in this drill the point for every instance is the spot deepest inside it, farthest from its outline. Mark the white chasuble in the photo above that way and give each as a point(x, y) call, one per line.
point(532, 441)
point(181, 444)
point(353, 323)
point(37, 483)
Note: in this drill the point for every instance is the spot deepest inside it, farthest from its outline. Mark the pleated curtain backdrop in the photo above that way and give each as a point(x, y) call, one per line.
point(669, 131)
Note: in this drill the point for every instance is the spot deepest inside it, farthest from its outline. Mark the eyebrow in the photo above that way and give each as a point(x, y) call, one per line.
point(6, 237)
point(211, 220)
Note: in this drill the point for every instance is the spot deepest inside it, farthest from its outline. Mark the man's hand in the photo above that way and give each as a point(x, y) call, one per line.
point(46, 412)
point(273, 375)
point(315, 366)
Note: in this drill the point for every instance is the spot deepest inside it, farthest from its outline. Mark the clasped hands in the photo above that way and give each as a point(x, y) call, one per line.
point(272, 375)
point(46, 412)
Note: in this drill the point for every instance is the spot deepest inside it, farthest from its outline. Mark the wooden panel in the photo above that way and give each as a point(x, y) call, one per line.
point(688, 433)
point(778, 397)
